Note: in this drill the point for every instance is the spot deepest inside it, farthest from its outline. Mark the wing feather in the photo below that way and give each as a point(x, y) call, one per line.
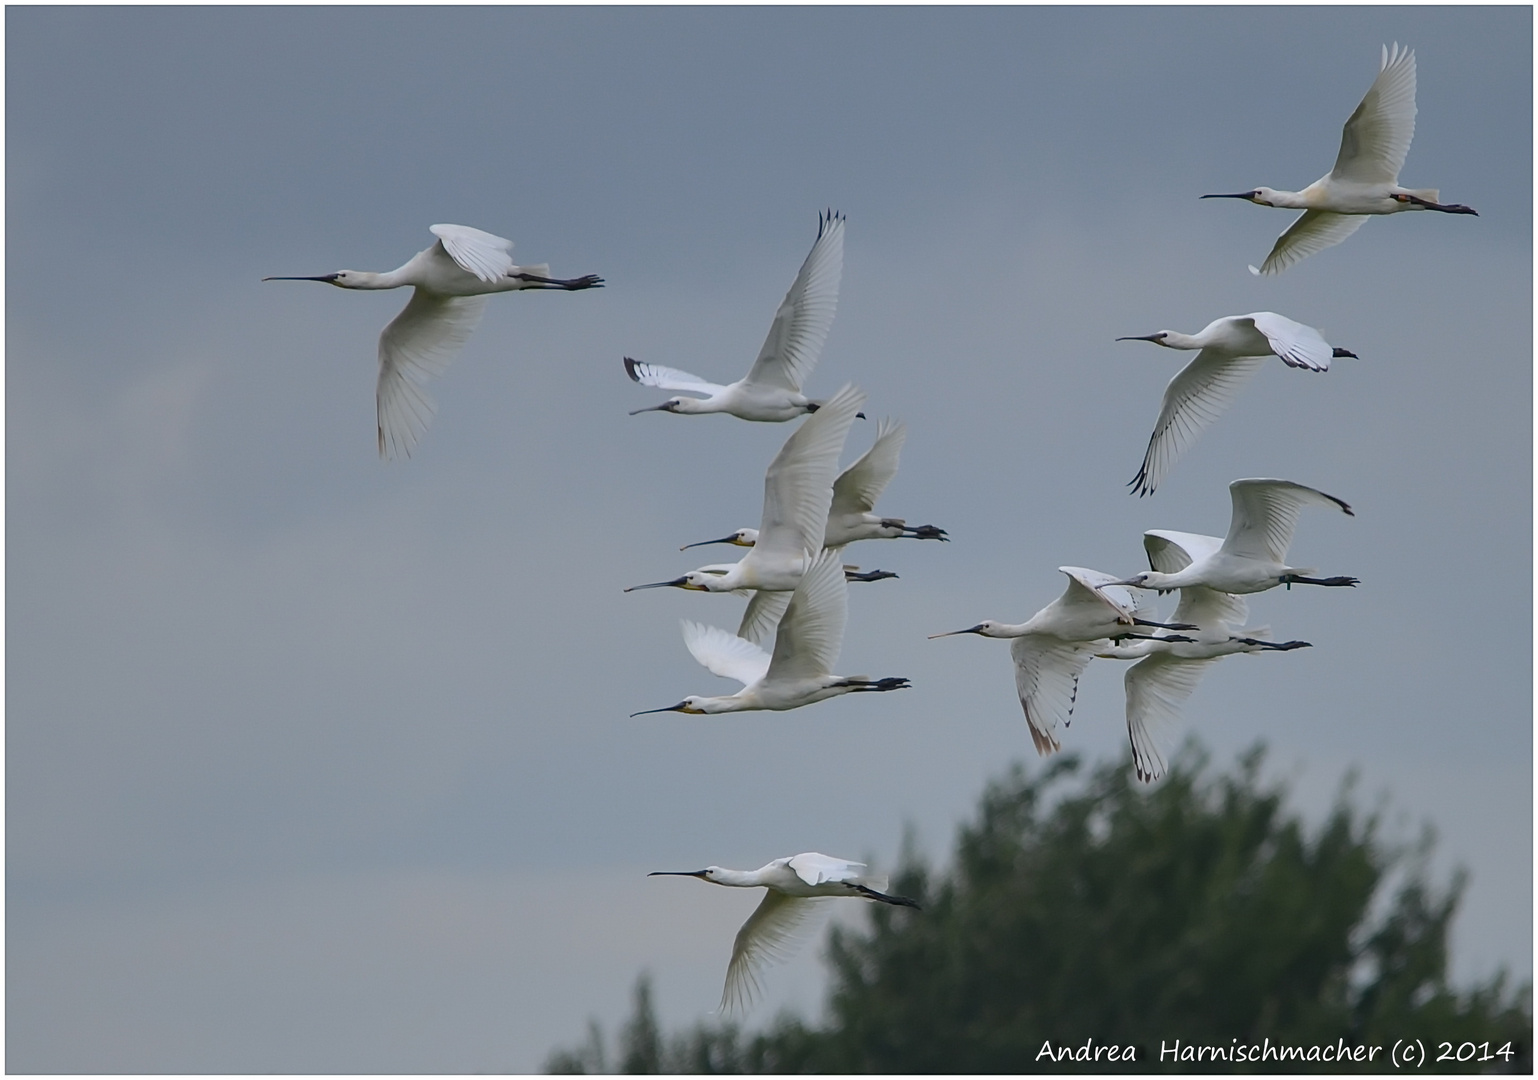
point(1314, 231)
point(1266, 513)
point(418, 344)
point(762, 615)
point(805, 315)
point(1194, 398)
point(669, 378)
point(775, 928)
point(1296, 345)
point(488, 257)
point(1157, 687)
point(1376, 139)
point(725, 654)
point(812, 629)
point(814, 868)
point(859, 486)
point(799, 482)
point(1047, 678)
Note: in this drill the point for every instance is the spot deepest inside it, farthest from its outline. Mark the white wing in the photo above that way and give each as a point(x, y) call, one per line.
point(725, 654)
point(762, 615)
point(806, 314)
point(1296, 345)
point(1047, 677)
point(859, 486)
point(1210, 609)
point(418, 343)
point(1156, 688)
point(669, 378)
point(1092, 591)
point(1192, 401)
point(798, 486)
point(812, 631)
point(1170, 552)
point(814, 868)
point(1377, 137)
point(1265, 514)
point(486, 256)
point(776, 926)
point(1314, 231)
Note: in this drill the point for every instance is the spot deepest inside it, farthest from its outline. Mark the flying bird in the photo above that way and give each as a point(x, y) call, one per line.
point(806, 646)
point(1168, 670)
point(791, 884)
point(1365, 179)
point(771, 390)
point(1052, 648)
point(452, 280)
point(851, 515)
point(797, 493)
point(1253, 556)
point(1233, 348)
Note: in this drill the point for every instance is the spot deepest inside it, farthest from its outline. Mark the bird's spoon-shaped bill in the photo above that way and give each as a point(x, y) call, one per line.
point(682, 706)
point(978, 629)
point(677, 583)
point(732, 539)
point(677, 873)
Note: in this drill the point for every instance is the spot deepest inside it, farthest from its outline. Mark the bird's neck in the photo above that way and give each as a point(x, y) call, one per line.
point(1291, 200)
point(364, 279)
point(1175, 340)
point(738, 879)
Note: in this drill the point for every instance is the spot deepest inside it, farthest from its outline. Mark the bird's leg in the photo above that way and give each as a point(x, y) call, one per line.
point(869, 575)
point(1279, 646)
point(885, 898)
point(1330, 582)
point(924, 532)
point(1446, 208)
point(1165, 625)
point(1154, 637)
point(876, 686)
point(587, 281)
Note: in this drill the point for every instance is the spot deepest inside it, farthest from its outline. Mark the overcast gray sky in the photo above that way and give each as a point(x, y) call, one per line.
point(317, 763)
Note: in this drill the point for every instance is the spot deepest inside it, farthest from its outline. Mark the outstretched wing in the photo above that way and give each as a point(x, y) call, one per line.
point(812, 629)
point(1296, 345)
point(1094, 593)
point(775, 928)
point(1377, 137)
point(488, 257)
point(1195, 397)
point(418, 344)
point(1170, 552)
point(1266, 513)
point(1047, 677)
point(724, 654)
point(1314, 231)
point(1156, 689)
point(669, 378)
point(806, 314)
point(814, 868)
point(799, 482)
point(762, 616)
point(859, 486)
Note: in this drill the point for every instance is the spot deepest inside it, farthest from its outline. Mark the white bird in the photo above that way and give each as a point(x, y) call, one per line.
point(1233, 348)
point(797, 492)
point(1252, 557)
point(452, 279)
point(771, 390)
point(806, 647)
point(1365, 179)
point(1168, 668)
point(850, 515)
point(791, 884)
point(1052, 647)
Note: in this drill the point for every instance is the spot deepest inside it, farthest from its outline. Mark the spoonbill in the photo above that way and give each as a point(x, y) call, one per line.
point(452, 279)
point(1365, 179)
point(1233, 348)
point(1252, 557)
point(771, 390)
point(1168, 670)
point(850, 516)
point(806, 647)
point(791, 884)
point(1052, 648)
point(797, 492)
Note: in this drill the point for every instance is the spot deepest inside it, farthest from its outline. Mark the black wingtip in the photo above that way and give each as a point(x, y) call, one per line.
point(630, 370)
point(1338, 353)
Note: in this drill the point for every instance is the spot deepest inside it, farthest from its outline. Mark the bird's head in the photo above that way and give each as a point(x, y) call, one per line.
point(1140, 580)
point(672, 405)
point(987, 628)
point(694, 579)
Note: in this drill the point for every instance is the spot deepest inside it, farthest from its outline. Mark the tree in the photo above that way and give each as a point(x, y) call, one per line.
point(1103, 913)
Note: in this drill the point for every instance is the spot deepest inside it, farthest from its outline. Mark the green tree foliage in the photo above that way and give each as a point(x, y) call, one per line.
point(1095, 910)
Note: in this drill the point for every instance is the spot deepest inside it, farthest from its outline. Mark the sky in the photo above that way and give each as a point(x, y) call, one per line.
point(321, 763)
